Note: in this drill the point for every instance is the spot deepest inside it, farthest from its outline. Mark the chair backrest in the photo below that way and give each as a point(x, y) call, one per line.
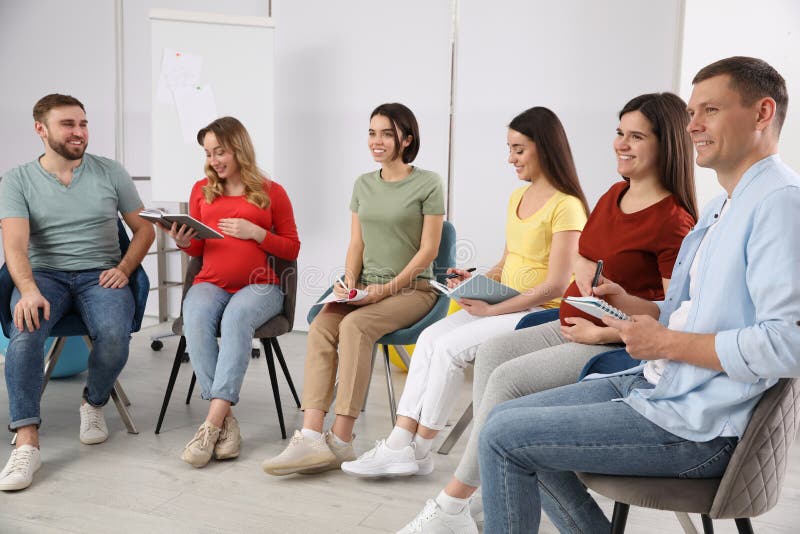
point(285, 270)
point(139, 284)
point(754, 476)
point(447, 252)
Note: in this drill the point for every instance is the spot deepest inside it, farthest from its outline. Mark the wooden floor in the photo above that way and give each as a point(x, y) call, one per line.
point(137, 483)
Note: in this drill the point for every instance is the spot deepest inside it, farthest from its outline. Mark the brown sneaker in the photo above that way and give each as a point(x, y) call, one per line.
point(230, 440)
point(344, 453)
point(198, 451)
point(301, 454)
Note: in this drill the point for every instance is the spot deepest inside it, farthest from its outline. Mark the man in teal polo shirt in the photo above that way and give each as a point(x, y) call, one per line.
point(59, 223)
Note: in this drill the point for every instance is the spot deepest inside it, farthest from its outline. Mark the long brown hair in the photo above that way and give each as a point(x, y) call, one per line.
point(543, 127)
point(669, 119)
point(234, 138)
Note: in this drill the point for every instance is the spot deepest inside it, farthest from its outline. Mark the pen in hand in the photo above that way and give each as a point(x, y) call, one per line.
point(456, 275)
point(597, 273)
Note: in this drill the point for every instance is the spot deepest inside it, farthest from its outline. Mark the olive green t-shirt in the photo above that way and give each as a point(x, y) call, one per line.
point(74, 227)
point(391, 214)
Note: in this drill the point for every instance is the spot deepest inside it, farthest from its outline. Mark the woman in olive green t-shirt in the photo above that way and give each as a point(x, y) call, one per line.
point(396, 226)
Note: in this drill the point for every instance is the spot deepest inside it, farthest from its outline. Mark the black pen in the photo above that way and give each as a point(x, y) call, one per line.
point(597, 273)
point(456, 275)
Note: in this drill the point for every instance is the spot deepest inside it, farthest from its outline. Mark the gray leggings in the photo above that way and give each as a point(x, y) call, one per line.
point(514, 365)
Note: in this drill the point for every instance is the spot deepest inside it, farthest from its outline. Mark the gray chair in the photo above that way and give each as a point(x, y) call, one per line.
point(266, 333)
point(750, 486)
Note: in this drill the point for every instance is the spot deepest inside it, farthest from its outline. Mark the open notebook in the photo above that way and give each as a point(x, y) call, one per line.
point(166, 220)
point(477, 287)
point(596, 307)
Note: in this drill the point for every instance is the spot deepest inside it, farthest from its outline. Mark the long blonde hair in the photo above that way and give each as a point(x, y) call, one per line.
point(233, 137)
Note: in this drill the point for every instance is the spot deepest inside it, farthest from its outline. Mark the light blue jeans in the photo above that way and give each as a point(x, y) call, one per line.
point(531, 447)
point(220, 367)
point(108, 317)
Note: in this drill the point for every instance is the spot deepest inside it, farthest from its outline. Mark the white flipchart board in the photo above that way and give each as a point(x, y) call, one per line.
point(238, 58)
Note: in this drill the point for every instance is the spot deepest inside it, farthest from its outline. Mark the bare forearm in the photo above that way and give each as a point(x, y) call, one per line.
point(20, 269)
point(140, 244)
point(419, 262)
point(633, 305)
point(353, 264)
point(695, 349)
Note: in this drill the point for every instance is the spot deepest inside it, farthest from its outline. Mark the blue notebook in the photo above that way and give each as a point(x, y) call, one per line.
point(477, 287)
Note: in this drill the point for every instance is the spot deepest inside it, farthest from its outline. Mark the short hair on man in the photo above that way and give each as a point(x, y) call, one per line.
point(54, 100)
point(752, 78)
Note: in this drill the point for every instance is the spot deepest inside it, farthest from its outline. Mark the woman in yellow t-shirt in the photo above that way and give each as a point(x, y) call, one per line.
point(544, 221)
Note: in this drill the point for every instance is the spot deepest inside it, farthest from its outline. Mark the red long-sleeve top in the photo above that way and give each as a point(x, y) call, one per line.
point(232, 263)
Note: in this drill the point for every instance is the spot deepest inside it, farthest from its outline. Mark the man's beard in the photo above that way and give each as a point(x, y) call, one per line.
point(67, 151)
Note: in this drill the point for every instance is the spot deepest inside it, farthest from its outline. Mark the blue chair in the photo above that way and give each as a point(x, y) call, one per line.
point(408, 336)
point(72, 325)
point(532, 319)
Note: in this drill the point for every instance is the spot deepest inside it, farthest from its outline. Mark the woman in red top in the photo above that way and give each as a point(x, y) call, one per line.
point(636, 229)
point(236, 290)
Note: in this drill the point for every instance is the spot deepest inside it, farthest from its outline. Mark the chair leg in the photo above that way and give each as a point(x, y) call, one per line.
point(457, 430)
point(176, 365)
point(119, 400)
point(389, 385)
point(282, 362)
point(620, 518)
point(708, 525)
point(744, 526)
point(686, 523)
point(122, 395)
point(191, 388)
point(52, 358)
point(273, 378)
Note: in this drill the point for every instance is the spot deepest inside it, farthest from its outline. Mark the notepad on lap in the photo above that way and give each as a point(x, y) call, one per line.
point(478, 288)
point(596, 307)
point(166, 220)
point(354, 296)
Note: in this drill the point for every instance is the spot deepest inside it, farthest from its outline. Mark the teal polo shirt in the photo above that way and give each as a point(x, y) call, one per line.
point(72, 227)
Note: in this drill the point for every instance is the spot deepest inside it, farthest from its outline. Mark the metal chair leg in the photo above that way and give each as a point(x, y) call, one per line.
point(744, 526)
point(122, 395)
point(389, 385)
point(620, 518)
point(273, 378)
point(686, 523)
point(456, 431)
point(176, 365)
point(191, 388)
point(282, 362)
point(708, 525)
point(119, 401)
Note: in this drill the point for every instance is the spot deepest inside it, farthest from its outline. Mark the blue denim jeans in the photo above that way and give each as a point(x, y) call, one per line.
point(220, 367)
point(531, 447)
point(107, 315)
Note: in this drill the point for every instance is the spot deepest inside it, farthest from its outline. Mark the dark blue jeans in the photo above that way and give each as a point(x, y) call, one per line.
point(107, 314)
point(531, 447)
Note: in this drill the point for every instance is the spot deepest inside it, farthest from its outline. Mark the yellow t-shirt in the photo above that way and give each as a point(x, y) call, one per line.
point(528, 240)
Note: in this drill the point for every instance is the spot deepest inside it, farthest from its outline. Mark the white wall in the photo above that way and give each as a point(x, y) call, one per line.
point(332, 69)
point(715, 29)
point(583, 60)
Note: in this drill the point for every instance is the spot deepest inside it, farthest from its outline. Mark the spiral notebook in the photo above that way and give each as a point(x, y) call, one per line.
point(596, 307)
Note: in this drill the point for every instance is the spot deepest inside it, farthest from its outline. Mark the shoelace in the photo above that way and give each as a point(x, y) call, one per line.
point(20, 460)
point(372, 452)
point(92, 420)
point(427, 513)
point(203, 436)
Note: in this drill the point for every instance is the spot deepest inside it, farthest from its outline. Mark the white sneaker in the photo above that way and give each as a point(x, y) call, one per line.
point(433, 520)
point(425, 464)
point(343, 453)
point(302, 454)
point(383, 462)
point(18, 472)
point(93, 425)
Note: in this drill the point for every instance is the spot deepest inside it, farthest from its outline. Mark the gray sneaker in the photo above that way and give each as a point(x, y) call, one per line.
point(344, 453)
point(93, 425)
point(198, 451)
point(301, 454)
point(230, 440)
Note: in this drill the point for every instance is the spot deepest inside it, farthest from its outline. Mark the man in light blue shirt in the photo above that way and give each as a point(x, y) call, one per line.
point(727, 331)
point(59, 215)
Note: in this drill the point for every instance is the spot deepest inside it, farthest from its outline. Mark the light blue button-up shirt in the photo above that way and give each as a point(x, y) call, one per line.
point(748, 284)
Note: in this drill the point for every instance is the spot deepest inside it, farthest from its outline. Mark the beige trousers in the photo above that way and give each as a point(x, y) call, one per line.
point(342, 339)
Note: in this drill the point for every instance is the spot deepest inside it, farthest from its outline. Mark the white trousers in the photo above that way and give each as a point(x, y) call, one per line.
point(443, 351)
